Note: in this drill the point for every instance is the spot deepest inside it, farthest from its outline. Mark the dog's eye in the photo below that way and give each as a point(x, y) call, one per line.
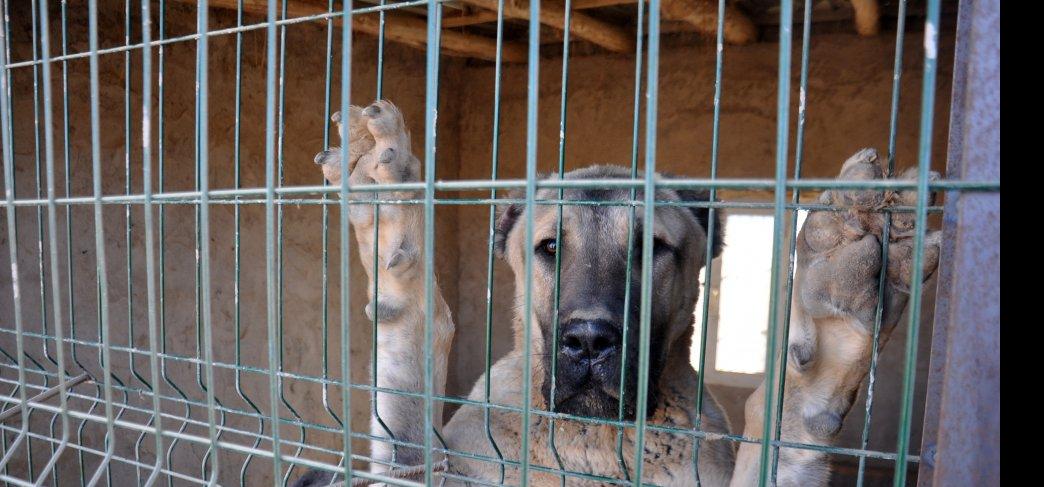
point(661, 247)
point(548, 247)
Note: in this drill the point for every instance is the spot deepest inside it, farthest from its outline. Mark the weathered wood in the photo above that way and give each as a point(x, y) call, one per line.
point(867, 17)
point(581, 25)
point(703, 16)
point(398, 27)
point(479, 17)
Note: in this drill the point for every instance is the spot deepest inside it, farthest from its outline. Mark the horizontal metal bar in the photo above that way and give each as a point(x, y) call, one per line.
point(466, 402)
point(86, 449)
point(220, 32)
point(43, 396)
point(466, 185)
point(228, 429)
point(539, 468)
point(724, 204)
point(130, 425)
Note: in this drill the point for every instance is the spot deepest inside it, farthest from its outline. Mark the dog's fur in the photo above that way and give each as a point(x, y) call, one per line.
point(834, 300)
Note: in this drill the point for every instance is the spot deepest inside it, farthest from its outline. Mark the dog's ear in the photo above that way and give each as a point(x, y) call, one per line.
point(703, 214)
point(507, 217)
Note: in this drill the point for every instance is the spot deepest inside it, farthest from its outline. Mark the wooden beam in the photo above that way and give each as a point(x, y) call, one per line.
point(583, 26)
point(480, 17)
point(398, 27)
point(867, 17)
point(703, 15)
point(586, 4)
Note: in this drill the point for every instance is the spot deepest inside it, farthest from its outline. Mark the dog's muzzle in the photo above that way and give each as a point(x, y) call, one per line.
point(588, 371)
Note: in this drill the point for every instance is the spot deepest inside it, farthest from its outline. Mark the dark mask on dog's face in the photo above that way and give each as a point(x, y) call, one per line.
point(589, 333)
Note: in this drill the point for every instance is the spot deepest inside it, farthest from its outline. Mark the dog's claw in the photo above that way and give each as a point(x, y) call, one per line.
point(824, 424)
point(386, 310)
point(403, 255)
point(801, 354)
point(327, 155)
point(395, 259)
point(372, 111)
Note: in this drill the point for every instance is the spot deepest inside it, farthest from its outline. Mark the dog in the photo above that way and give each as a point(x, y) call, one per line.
point(589, 336)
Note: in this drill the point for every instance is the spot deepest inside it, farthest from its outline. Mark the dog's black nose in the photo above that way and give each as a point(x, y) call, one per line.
point(589, 340)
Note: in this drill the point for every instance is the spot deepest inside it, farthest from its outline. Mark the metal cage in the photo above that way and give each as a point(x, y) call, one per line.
point(82, 405)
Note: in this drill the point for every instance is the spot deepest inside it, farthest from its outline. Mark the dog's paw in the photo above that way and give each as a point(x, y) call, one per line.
point(839, 251)
point(352, 132)
point(391, 160)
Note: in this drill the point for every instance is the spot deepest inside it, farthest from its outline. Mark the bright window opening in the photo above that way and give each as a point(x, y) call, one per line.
point(739, 294)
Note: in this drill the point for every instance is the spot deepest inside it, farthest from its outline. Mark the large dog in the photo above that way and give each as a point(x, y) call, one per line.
point(833, 311)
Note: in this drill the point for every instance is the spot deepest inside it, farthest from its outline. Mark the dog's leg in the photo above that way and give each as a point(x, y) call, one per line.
point(833, 309)
point(397, 301)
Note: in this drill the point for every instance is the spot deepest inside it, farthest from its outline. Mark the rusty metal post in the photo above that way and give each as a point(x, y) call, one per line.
point(961, 440)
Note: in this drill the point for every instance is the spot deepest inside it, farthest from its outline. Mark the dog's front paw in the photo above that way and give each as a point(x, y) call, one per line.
point(380, 155)
point(391, 160)
point(352, 132)
point(839, 252)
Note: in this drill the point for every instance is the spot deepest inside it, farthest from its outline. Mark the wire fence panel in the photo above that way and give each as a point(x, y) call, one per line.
point(230, 313)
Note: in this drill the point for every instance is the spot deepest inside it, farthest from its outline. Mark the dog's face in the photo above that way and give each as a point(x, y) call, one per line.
point(592, 344)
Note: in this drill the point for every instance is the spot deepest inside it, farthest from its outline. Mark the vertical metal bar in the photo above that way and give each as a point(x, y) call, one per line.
point(652, 77)
point(568, 7)
point(931, 42)
point(202, 163)
point(799, 148)
point(374, 369)
point(782, 126)
point(532, 99)
point(380, 69)
point(127, 215)
point(897, 75)
point(68, 237)
point(280, 124)
point(12, 238)
point(21, 354)
point(160, 125)
point(99, 243)
point(128, 218)
point(39, 194)
point(204, 345)
point(274, 380)
point(39, 210)
point(237, 254)
point(494, 172)
point(708, 267)
point(635, 143)
point(68, 232)
point(346, 337)
point(38, 167)
point(150, 244)
point(893, 126)
point(431, 103)
point(964, 374)
point(327, 84)
point(126, 120)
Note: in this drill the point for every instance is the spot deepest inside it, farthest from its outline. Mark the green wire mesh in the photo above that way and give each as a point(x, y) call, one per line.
point(158, 417)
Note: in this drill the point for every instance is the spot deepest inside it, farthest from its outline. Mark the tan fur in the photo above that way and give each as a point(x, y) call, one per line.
point(833, 302)
point(834, 308)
